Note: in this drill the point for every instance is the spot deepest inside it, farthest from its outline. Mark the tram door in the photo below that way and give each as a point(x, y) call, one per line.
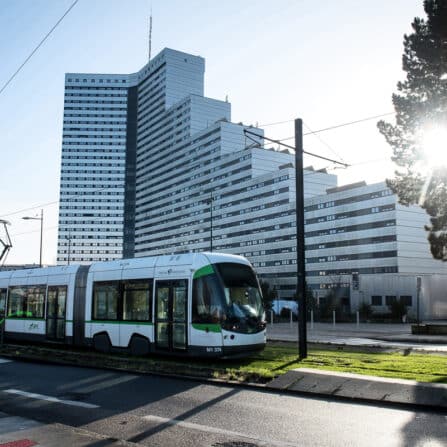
point(2, 305)
point(56, 300)
point(171, 315)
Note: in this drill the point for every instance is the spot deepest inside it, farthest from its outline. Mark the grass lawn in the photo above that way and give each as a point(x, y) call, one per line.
point(278, 358)
point(275, 360)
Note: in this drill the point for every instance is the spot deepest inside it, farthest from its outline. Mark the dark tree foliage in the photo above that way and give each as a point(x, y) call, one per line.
point(421, 102)
point(268, 294)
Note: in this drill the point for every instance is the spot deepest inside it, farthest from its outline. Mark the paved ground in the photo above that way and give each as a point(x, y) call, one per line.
point(365, 334)
point(54, 406)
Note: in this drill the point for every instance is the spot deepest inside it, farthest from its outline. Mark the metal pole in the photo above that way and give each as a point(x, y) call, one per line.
point(69, 247)
point(300, 260)
point(418, 286)
point(211, 223)
point(41, 236)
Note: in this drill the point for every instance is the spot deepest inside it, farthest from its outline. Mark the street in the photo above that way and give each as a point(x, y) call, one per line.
point(111, 407)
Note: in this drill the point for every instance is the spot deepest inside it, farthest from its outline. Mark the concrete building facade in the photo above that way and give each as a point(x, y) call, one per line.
point(369, 248)
point(151, 166)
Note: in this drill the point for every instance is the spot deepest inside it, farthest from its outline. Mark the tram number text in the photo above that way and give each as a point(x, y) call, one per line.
point(212, 349)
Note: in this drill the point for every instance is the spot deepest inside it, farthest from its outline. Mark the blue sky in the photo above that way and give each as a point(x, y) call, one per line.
point(328, 62)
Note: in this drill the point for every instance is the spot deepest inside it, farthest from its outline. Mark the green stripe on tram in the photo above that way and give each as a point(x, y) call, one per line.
point(204, 326)
point(207, 270)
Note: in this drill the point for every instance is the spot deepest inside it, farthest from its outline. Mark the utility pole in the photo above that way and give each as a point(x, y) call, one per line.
point(69, 247)
point(300, 251)
point(211, 222)
point(300, 248)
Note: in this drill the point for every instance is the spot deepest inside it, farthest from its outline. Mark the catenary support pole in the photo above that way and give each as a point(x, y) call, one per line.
point(300, 260)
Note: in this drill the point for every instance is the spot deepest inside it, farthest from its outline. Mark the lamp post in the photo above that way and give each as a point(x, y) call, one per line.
point(210, 201)
point(69, 247)
point(41, 231)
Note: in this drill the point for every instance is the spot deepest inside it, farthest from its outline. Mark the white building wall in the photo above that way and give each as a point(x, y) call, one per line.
point(93, 168)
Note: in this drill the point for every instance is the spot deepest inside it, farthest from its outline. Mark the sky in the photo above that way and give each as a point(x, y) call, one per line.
point(328, 62)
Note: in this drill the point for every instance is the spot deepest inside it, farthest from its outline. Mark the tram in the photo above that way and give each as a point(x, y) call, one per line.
point(195, 304)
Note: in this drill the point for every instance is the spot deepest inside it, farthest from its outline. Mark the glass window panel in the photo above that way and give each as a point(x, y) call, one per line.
point(51, 324)
point(407, 300)
point(207, 306)
point(62, 298)
point(35, 302)
point(137, 301)
point(2, 302)
point(52, 303)
point(163, 335)
point(179, 336)
point(376, 300)
point(162, 303)
point(179, 302)
point(60, 329)
point(15, 302)
point(105, 301)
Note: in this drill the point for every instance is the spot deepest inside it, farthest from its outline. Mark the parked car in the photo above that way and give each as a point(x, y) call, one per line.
point(279, 305)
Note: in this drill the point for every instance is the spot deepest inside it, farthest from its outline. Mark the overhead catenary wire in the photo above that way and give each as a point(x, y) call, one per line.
point(37, 47)
point(323, 142)
point(337, 126)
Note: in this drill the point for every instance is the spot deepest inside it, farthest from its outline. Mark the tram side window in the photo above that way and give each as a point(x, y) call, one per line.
point(207, 300)
point(105, 301)
point(137, 303)
point(26, 302)
point(2, 303)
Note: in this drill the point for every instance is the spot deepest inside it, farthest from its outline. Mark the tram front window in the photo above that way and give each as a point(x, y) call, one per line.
point(243, 303)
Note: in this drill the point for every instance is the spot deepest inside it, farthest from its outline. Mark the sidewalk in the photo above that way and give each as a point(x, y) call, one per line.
point(358, 387)
point(17, 431)
point(365, 334)
point(361, 388)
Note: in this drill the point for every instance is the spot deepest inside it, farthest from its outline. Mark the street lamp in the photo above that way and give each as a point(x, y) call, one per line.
point(210, 202)
point(41, 231)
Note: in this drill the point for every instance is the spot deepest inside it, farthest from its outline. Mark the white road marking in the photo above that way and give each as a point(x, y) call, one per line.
point(13, 424)
point(214, 430)
point(73, 403)
point(5, 360)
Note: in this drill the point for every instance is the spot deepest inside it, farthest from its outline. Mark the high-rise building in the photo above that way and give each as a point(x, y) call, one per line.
point(93, 171)
point(151, 166)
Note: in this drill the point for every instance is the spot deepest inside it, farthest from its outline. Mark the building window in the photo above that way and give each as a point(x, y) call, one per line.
point(407, 300)
point(376, 300)
point(390, 299)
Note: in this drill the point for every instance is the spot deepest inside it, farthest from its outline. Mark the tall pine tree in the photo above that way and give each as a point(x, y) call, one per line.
point(420, 105)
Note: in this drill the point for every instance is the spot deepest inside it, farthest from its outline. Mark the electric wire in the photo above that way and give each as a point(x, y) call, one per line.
point(38, 46)
point(323, 142)
point(337, 126)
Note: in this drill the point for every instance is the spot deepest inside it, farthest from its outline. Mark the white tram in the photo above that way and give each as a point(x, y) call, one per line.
point(201, 304)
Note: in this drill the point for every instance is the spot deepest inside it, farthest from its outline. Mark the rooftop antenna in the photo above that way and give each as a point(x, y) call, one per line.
point(150, 35)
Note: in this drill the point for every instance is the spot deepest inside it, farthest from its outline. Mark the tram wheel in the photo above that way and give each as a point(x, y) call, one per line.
point(101, 343)
point(139, 345)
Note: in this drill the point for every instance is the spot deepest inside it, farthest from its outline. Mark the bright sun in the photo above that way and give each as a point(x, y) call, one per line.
point(434, 145)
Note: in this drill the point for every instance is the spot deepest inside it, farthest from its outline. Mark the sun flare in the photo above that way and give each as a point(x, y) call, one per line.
point(434, 146)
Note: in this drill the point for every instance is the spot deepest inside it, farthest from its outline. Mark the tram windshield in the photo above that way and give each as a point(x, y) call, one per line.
point(228, 294)
point(242, 295)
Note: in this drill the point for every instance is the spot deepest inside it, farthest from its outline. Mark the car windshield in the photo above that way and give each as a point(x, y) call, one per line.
point(242, 294)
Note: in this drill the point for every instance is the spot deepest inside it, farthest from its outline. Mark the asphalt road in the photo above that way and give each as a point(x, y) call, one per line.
point(157, 411)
